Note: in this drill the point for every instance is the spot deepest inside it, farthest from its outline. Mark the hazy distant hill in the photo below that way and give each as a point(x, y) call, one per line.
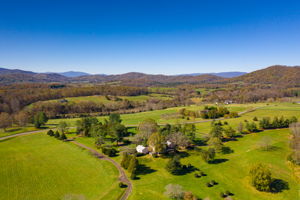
point(275, 75)
point(14, 71)
point(74, 74)
point(8, 76)
point(140, 79)
point(220, 74)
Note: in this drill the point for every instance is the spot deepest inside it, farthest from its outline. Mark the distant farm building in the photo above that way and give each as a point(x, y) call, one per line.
point(63, 101)
point(142, 149)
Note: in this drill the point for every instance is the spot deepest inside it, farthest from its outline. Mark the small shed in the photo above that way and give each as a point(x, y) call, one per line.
point(142, 149)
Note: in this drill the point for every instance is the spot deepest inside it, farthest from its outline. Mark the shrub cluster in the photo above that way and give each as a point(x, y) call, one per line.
point(57, 135)
point(109, 151)
point(131, 163)
point(267, 123)
point(212, 112)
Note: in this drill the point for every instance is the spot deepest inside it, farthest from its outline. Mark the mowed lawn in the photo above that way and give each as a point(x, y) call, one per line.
point(233, 170)
point(39, 167)
point(231, 174)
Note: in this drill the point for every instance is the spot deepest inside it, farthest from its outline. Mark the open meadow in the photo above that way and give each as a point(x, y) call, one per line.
point(61, 168)
point(39, 167)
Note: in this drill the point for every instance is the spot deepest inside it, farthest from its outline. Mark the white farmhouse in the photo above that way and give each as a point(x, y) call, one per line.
point(142, 149)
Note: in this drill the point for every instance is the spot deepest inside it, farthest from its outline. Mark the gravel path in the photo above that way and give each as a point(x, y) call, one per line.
point(123, 178)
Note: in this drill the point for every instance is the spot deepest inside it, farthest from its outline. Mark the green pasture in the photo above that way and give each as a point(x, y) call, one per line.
point(162, 116)
point(16, 130)
point(38, 167)
point(231, 173)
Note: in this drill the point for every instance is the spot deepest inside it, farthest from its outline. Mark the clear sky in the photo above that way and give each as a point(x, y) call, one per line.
point(151, 36)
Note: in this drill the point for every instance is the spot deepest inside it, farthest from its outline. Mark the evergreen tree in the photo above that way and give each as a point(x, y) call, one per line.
point(133, 164)
point(63, 137)
point(56, 135)
point(50, 133)
point(125, 160)
point(174, 166)
point(216, 131)
point(229, 132)
point(208, 155)
point(251, 127)
point(39, 119)
point(216, 143)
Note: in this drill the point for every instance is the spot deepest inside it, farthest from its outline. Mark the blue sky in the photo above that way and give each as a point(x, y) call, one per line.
point(158, 37)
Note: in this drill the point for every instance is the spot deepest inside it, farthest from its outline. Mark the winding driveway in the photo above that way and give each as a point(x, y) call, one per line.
point(122, 177)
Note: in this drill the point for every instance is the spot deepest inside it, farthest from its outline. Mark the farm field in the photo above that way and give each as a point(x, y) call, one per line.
point(168, 100)
point(39, 167)
point(231, 173)
point(280, 109)
point(103, 99)
point(162, 116)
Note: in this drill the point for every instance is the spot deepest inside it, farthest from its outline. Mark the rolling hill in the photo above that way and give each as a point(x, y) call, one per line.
point(220, 74)
point(275, 75)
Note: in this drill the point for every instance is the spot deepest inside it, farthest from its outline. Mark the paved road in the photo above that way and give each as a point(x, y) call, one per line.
point(123, 178)
point(20, 134)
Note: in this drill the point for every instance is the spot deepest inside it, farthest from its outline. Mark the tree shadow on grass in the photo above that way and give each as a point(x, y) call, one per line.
point(143, 170)
point(199, 142)
point(187, 169)
point(270, 148)
point(171, 154)
point(279, 185)
point(227, 150)
point(12, 130)
point(218, 161)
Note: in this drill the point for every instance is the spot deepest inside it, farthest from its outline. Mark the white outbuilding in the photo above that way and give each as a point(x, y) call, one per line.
point(142, 149)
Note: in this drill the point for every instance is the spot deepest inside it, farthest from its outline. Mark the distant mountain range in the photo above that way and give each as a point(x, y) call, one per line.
point(74, 74)
point(220, 74)
point(277, 75)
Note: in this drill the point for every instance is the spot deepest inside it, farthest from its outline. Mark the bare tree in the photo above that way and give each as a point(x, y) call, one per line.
point(295, 142)
point(174, 191)
point(5, 121)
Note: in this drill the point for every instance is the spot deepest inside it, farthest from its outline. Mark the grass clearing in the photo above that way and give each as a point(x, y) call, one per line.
point(40, 167)
point(158, 115)
point(16, 130)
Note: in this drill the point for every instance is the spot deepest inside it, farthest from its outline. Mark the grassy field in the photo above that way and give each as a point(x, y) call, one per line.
point(103, 99)
point(162, 116)
point(40, 167)
point(16, 130)
point(232, 174)
point(283, 109)
point(232, 171)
